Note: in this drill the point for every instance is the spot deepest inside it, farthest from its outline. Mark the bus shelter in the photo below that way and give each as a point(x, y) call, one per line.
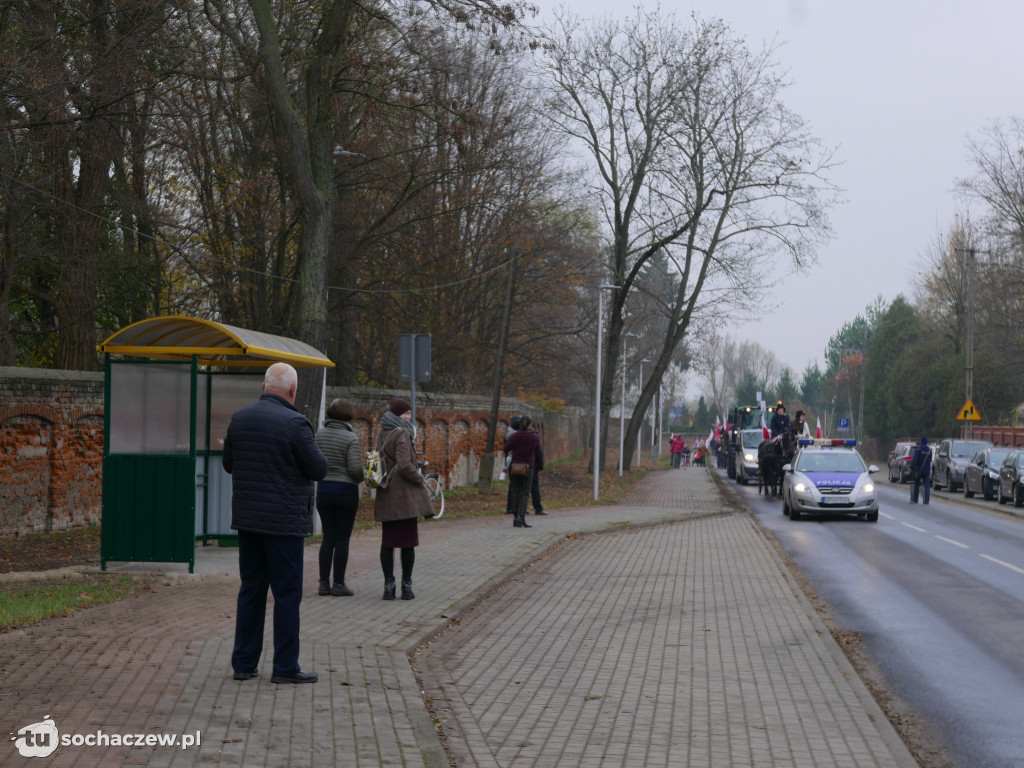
point(172, 384)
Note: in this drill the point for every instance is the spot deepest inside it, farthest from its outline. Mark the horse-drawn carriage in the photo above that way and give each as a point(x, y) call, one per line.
point(772, 455)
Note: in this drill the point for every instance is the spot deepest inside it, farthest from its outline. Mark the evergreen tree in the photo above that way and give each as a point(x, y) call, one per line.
point(786, 389)
point(812, 387)
point(702, 419)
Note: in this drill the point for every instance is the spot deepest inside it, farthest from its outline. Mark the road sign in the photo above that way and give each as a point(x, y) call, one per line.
point(968, 413)
point(414, 357)
point(844, 423)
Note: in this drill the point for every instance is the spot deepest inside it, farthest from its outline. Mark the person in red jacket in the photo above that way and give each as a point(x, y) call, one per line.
point(678, 446)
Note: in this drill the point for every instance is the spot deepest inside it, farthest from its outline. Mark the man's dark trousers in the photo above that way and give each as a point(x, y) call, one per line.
point(275, 562)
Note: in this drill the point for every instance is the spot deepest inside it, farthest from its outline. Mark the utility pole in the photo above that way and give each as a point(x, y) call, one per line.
point(863, 375)
point(969, 333)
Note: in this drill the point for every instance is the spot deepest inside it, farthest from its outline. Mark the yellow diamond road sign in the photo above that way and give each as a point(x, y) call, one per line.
point(968, 413)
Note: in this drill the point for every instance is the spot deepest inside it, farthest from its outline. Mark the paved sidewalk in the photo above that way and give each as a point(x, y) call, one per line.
point(676, 637)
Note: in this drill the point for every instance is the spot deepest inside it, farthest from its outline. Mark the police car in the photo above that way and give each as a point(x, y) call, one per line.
point(829, 476)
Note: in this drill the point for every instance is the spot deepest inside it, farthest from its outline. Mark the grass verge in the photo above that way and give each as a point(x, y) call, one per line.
point(27, 602)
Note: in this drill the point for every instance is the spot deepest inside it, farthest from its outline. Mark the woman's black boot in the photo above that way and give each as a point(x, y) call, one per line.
point(407, 590)
point(389, 588)
point(522, 521)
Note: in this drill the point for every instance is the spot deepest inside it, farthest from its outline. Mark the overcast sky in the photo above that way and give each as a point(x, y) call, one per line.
point(897, 86)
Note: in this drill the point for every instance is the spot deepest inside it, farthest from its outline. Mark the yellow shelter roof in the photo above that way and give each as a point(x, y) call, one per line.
point(174, 337)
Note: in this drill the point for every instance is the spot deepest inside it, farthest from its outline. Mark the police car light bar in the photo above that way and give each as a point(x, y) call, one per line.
point(823, 442)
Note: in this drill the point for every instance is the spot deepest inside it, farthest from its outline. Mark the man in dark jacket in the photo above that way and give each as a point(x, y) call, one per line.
point(780, 421)
point(538, 466)
point(921, 468)
point(273, 459)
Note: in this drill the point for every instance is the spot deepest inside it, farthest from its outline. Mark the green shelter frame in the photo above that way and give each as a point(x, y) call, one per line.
point(171, 386)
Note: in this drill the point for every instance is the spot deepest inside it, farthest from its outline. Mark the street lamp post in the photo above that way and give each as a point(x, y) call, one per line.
point(622, 407)
point(661, 417)
point(597, 400)
point(654, 420)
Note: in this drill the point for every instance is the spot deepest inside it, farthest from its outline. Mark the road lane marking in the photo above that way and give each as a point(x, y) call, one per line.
point(1004, 564)
point(886, 514)
point(914, 528)
point(953, 542)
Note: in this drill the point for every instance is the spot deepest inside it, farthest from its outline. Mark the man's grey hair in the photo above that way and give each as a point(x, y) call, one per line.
point(280, 376)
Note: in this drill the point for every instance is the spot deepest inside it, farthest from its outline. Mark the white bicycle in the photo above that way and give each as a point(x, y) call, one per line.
point(435, 489)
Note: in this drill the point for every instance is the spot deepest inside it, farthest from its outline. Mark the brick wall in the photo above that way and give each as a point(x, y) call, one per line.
point(51, 449)
point(51, 441)
point(451, 430)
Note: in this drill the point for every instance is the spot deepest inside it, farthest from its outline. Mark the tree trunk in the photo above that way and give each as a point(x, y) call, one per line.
point(308, 162)
point(486, 479)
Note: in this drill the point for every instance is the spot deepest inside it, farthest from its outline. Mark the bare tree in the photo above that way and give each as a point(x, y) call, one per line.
point(999, 181)
point(304, 120)
point(725, 363)
point(941, 292)
point(693, 154)
point(77, 80)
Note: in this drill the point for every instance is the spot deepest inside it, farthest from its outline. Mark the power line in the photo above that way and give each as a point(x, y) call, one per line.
point(249, 270)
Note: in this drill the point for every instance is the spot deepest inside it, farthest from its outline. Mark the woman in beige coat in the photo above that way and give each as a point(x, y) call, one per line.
point(403, 499)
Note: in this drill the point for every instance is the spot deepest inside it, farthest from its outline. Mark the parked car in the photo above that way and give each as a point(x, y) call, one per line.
point(1011, 479)
point(900, 463)
point(982, 473)
point(951, 459)
point(896, 448)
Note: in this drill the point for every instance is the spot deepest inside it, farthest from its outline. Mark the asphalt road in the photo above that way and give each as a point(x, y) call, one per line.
point(937, 594)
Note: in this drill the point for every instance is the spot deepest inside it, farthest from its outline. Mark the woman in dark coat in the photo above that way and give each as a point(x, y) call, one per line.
point(524, 447)
point(403, 499)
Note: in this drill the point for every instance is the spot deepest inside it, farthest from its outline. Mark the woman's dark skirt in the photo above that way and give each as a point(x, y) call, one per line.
point(400, 533)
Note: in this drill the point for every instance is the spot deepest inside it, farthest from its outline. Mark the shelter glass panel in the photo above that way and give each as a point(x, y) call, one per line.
point(150, 408)
point(230, 392)
point(202, 388)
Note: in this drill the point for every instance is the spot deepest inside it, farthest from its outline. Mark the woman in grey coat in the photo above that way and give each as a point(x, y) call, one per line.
point(403, 499)
point(337, 495)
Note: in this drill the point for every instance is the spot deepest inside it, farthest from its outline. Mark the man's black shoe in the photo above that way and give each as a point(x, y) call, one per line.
point(246, 675)
point(296, 677)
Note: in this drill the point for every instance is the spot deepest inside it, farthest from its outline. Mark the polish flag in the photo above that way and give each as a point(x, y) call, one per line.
point(765, 435)
point(818, 435)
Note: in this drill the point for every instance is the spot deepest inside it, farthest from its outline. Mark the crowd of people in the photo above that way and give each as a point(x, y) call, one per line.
point(282, 470)
point(681, 456)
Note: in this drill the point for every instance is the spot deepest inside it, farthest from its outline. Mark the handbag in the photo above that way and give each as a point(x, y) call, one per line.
point(517, 468)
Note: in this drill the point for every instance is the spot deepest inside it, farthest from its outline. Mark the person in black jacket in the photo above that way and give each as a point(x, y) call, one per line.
point(921, 468)
point(273, 459)
point(780, 421)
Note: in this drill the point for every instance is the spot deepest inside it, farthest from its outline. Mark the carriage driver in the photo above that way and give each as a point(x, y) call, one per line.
point(780, 421)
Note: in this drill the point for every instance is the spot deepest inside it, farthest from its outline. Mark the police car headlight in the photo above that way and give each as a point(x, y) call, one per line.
point(749, 457)
point(799, 487)
point(868, 488)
